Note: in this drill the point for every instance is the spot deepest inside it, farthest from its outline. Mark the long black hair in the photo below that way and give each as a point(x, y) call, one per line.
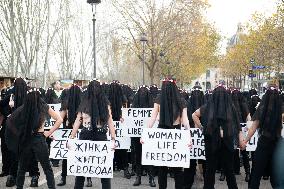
point(51, 97)
point(116, 99)
point(73, 101)
point(240, 104)
point(143, 98)
point(171, 105)
point(220, 112)
point(195, 101)
point(20, 92)
point(95, 104)
point(270, 113)
point(25, 121)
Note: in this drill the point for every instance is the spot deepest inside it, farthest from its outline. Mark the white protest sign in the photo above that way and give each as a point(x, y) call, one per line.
point(121, 141)
point(252, 144)
point(135, 119)
point(166, 147)
point(198, 145)
point(58, 148)
point(90, 159)
point(50, 122)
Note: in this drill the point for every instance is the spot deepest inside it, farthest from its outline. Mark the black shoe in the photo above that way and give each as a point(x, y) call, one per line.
point(247, 177)
point(265, 177)
point(89, 182)
point(34, 181)
point(152, 182)
point(126, 173)
point(10, 181)
point(222, 177)
point(62, 182)
point(137, 181)
point(3, 174)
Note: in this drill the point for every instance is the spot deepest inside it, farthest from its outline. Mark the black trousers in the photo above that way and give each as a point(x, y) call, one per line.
point(137, 151)
point(90, 135)
point(162, 177)
point(211, 165)
point(189, 174)
point(245, 158)
point(64, 168)
point(39, 147)
point(6, 161)
point(262, 158)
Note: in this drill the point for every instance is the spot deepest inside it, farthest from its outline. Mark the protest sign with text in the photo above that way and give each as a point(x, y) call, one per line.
point(135, 119)
point(50, 122)
point(121, 141)
point(90, 159)
point(166, 147)
point(58, 148)
point(198, 145)
point(252, 144)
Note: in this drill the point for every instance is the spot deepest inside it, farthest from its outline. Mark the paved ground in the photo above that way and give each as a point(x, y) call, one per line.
point(118, 182)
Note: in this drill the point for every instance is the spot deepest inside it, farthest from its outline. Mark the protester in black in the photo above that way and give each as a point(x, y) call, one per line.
point(242, 109)
point(172, 109)
point(68, 110)
point(221, 132)
point(25, 135)
point(117, 101)
point(15, 97)
point(94, 114)
point(268, 120)
point(195, 101)
point(142, 99)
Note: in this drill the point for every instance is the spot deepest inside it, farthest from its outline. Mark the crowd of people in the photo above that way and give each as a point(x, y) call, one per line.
point(219, 113)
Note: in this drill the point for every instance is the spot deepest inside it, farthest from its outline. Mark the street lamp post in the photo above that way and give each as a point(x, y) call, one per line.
point(94, 3)
point(143, 40)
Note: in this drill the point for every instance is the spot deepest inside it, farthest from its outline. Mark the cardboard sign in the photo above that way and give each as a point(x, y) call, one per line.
point(58, 147)
point(50, 122)
point(135, 119)
point(90, 159)
point(198, 145)
point(166, 147)
point(252, 144)
point(121, 141)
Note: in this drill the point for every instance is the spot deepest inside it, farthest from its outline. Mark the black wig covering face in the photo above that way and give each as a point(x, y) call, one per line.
point(240, 104)
point(220, 112)
point(171, 105)
point(25, 121)
point(116, 99)
point(20, 92)
point(143, 99)
point(254, 100)
point(195, 101)
point(269, 114)
point(73, 101)
point(95, 104)
point(51, 97)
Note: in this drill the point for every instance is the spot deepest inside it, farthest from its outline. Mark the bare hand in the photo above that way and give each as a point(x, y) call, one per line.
point(121, 120)
point(46, 134)
point(113, 145)
point(141, 141)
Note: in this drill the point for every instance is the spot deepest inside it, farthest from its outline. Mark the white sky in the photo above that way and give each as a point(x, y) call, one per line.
point(226, 14)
